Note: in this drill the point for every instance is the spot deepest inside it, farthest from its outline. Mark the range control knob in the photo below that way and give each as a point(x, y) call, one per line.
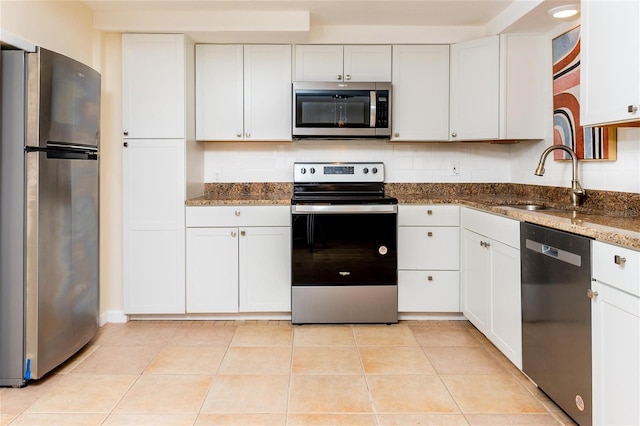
point(374, 170)
point(312, 170)
point(365, 170)
point(303, 170)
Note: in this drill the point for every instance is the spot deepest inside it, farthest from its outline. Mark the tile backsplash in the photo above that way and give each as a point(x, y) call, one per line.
point(426, 162)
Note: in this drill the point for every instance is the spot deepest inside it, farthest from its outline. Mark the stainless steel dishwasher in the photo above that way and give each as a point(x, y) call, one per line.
point(556, 316)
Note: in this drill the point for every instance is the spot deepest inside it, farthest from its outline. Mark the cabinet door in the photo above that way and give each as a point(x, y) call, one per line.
point(153, 226)
point(616, 356)
point(433, 248)
point(525, 86)
point(474, 101)
point(153, 88)
point(367, 63)
point(267, 92)
point(219, 92)
point(610, 35)
point(476, 280)
point(319, 63)
point(265, 269)
point(212, 270)
point(505, 328)
point(420, 93)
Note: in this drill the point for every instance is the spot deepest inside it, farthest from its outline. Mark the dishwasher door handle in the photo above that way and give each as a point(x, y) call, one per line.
point(553, 252)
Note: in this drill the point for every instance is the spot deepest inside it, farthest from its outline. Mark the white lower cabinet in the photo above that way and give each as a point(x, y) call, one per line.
point(238, 259)
point(491, 279)
point(615, 325)
point(153, 178)
point(428, 258)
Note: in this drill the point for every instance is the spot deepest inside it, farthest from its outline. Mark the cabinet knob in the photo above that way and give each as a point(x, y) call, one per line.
point(429, 212)
point(248, 135)
point(126, 133)
point(430, 278)
point(243, 233)
point(237, 212)
point(396, 135)
point(347, 77)
point(239, 135)
point(429, 234)
point(339, 77)
point(632, 108)
point(619, 260)
point(454, 134)
point(126, 144)
point(592, 294)
point(233, 234)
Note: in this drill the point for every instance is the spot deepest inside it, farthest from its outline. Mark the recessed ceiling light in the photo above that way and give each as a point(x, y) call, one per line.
point(565, 11)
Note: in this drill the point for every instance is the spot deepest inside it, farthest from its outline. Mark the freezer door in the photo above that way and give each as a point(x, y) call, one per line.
point(62, 267)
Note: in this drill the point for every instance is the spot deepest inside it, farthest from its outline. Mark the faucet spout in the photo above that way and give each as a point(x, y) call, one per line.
point(577, 191)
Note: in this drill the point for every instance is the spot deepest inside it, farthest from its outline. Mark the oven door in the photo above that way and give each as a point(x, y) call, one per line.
point(340, 245)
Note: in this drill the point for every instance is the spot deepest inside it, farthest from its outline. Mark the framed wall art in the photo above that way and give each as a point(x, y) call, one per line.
point(589, 143)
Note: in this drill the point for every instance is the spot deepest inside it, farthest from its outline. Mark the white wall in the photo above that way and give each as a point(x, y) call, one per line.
point(62, 26)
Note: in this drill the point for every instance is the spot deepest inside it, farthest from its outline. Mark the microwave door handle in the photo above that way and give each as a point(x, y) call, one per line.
point(372, 109)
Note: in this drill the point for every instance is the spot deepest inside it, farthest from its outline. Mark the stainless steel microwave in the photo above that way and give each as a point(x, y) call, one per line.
point(341, 110)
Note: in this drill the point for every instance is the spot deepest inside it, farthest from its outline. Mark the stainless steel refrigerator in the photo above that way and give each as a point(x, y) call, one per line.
point(49, 182)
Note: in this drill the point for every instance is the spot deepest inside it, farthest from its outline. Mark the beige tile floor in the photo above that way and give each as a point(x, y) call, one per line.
point(272, 373)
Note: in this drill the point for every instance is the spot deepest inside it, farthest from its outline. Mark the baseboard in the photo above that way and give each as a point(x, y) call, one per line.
point(113, 316)
point(435, 316)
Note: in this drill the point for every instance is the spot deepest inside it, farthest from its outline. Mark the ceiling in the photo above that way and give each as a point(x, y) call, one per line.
point(495, 16)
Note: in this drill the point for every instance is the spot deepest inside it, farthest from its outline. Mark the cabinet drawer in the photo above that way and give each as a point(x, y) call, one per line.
point(421, 215)
point(499, 228)
point(435, 248)
point(202, 216)
point(428, 291)
point(617, 266)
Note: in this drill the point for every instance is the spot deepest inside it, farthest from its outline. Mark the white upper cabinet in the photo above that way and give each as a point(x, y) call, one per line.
point(243, 92)
point(610, 62)
point(343, 63)
point(420, 93)
point(498, 88)
point(475, 69)
point(153, 86)
point(219, 92)
point(267, 92)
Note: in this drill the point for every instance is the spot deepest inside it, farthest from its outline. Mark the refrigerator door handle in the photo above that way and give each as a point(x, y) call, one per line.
point(59, 152)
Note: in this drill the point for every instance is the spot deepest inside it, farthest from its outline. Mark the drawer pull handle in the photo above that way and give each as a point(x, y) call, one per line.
point(429, 212)
point(484, 244)
point(619, 260)
point(429, 234)
point(592, 294)
point(237, 212)
point(632, 109)
point(243, 233)
point(233, 234)
point(430, 278)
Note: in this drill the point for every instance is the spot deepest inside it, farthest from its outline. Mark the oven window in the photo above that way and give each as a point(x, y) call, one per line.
point(349, 249)
point(326, 109)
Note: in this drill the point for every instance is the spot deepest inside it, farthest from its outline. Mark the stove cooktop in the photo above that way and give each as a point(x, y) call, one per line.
point(340, 183)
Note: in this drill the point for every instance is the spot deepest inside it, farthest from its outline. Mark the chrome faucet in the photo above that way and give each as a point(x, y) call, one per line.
point(577, 191)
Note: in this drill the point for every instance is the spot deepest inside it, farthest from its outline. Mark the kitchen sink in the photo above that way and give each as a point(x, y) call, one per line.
point(532, 207)
point(535, 207)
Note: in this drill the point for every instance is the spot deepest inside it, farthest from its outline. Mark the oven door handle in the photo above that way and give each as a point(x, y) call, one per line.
point(343, 208)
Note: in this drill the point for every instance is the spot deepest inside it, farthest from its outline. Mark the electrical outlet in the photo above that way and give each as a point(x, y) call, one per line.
point(454, 169)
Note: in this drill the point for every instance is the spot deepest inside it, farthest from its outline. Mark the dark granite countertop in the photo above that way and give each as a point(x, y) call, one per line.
point(612, 217)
